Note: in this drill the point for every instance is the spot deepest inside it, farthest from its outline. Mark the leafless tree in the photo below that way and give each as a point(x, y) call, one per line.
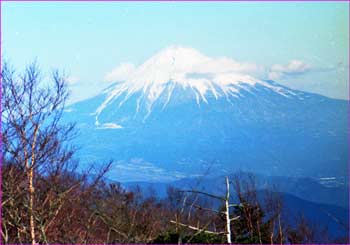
point(33, 138)
point(227, 213)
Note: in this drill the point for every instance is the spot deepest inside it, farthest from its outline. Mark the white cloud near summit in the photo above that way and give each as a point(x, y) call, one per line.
point(120, 73)
point(294, 67)
point(193, 64)
point(72, 80)
point(186, 61)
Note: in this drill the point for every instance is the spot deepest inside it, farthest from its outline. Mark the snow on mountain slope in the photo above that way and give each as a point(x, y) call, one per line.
point(183, 113)
point(189, 69)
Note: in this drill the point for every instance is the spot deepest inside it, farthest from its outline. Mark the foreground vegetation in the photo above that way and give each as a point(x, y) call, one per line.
point(46, 200)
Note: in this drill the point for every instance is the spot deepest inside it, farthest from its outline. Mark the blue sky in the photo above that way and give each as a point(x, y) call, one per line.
point(87, 40)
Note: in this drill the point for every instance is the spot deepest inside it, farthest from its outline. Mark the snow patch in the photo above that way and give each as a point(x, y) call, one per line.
point(108, 126)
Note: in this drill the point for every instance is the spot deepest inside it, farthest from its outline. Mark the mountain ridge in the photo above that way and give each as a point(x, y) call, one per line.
point(265, 128)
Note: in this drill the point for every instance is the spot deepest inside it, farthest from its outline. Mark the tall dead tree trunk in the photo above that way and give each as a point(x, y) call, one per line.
point(31, 205)
point(30, 174)
point(227, 212)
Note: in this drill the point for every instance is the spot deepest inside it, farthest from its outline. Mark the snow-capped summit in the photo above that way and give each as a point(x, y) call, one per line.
point(188, 67)
point(190, 70)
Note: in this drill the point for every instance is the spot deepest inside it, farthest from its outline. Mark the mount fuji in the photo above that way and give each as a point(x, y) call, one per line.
point(183, 114)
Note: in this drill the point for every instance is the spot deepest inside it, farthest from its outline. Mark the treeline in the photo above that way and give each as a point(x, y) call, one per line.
point(71, 208)
point(46, 200)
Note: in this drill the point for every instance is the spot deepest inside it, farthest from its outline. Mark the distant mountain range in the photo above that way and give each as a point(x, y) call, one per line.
point(323, 207)
point(304, 188)
point(180, 114)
